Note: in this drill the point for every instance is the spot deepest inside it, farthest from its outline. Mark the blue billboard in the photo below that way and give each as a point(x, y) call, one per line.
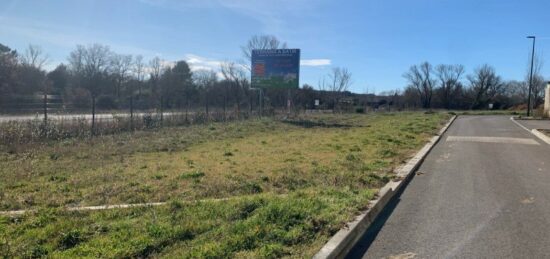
point(275, 68)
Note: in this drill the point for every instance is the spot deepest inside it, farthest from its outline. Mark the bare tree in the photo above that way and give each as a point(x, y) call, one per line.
point(155, 72)
point(485, 85)
point(205, 80)
point(335, 83)
point(261, 42)
point(322, 84)
point(139, 71)
point(91, 65)
point(34, 57)
point(340, 80)
point(538, 83)
point(516, 92)
point(236, 75)
point(121, 66)
point(420, 78)
point(449, 78)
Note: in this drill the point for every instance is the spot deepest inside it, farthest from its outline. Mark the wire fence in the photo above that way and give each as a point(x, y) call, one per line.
point(33, 118)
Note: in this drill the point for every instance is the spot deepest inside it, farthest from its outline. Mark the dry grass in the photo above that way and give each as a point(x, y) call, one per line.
point(332, 163)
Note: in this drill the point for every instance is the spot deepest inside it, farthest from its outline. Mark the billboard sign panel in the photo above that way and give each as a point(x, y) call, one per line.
point(275, 68)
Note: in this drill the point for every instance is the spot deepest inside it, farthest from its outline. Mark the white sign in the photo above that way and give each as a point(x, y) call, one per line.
point(316, 102)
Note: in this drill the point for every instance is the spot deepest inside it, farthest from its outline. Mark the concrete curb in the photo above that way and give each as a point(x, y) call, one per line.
point(535, 132)
point(541, 135)
point(344, 240)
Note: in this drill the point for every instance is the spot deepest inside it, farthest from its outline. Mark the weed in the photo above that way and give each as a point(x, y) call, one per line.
point(70, 239)
point(327, 169)
point(191, 175)
point(159, 176)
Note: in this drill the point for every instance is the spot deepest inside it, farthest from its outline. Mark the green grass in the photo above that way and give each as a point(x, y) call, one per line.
point(292, 185)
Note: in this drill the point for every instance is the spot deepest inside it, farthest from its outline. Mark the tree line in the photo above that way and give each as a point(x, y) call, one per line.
point(95, 77)
point(448, 87)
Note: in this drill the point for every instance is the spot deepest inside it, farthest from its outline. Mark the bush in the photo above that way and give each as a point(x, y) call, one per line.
point(106, 102)
point(150, 122)
point(70, 239)
point(80, 98)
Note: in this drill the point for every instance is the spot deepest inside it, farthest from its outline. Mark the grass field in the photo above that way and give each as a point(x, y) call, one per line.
point(291, 184)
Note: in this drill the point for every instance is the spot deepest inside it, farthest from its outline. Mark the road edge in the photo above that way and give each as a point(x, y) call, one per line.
point(513, 118)
point(541, 135)
point(535, 132)
point(345, 239)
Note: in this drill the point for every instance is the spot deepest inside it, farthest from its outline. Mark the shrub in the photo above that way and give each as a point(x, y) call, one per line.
point(70, 239)
point(106, 102)
point(192, 175)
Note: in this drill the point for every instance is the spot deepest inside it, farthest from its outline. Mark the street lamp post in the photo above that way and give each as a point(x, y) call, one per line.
point(531, 76)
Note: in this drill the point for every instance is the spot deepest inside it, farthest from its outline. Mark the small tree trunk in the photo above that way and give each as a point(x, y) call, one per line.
point(224, 105)
point(131, 112)
point(186, 107)
point(261, 102)
point(288, 101)
point(161, 111)
point(206, 106)
point(251, 99)
point(238, 107)
point(93, 115)
point(45, 107)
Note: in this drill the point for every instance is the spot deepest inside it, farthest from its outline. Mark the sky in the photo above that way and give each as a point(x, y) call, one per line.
point(377, 41)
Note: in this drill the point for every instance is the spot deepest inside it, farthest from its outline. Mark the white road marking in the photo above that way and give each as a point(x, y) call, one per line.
point(526, 141)
point(408, 255)
point(519, 124)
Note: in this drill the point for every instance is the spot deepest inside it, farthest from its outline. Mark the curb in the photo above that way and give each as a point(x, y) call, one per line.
point(345, 239)
point(535, 132)
point(519, 124)
point(541, 135)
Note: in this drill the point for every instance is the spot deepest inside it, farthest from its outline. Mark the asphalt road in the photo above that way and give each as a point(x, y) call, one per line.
point(535, 124)
point(482, 192)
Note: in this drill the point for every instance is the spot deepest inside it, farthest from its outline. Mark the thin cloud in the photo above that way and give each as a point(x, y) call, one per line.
point(197, 63)
point(63, 36)
point(315, 62)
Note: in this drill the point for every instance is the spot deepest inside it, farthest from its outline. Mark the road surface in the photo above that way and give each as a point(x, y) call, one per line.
point(483, 192)
point(535, 124)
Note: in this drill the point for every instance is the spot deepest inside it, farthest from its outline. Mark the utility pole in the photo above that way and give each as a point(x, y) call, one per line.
point(531, 76)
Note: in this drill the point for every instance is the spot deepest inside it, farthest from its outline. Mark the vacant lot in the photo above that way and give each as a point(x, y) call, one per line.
point(292, 184)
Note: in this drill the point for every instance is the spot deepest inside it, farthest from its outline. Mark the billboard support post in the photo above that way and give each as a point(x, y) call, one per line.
point(288, 101)
point(261, 101)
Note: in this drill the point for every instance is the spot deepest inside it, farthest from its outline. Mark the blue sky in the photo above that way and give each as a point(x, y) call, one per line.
point(376, 40)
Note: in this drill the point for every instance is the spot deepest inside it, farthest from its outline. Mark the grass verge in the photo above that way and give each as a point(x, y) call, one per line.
point(294, 183)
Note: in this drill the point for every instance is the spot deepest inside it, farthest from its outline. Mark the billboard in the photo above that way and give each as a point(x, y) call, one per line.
point(275, 68)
